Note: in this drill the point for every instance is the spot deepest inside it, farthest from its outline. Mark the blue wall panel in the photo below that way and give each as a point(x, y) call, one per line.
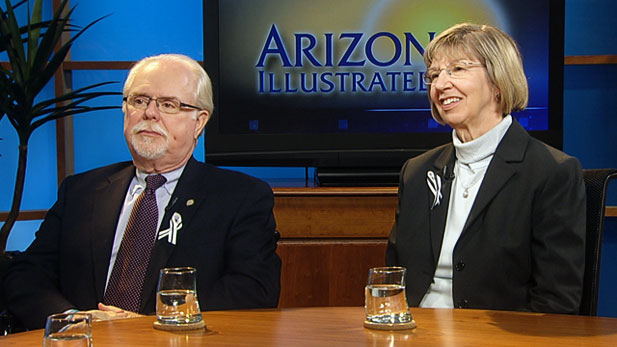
point(135, 29)
point(590, 119)
point(607, 297)
point(98, 135)
point(22, 235)
point(590, 27)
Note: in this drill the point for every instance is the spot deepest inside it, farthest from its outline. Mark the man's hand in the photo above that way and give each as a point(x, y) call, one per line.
point(108, 312)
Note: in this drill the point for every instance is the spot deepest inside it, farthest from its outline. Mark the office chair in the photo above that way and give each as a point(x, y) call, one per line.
point(596, 182)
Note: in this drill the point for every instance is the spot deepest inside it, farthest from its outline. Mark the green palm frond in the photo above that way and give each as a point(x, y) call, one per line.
point(36, 51)
point(35, 57)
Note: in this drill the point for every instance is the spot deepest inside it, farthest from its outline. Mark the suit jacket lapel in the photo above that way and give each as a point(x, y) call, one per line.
point(511, 149)
point(183, 203)
point(443, 166)
point(109, 197)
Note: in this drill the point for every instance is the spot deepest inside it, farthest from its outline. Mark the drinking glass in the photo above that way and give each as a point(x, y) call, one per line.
point(385, 300)
point(68, 330)
point(176, 297)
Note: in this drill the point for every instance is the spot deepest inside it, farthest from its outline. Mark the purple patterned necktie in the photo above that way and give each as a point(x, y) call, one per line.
point(129, 271)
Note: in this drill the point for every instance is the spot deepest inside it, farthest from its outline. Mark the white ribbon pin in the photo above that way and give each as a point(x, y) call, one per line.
point(175, 223)
point(434, 184)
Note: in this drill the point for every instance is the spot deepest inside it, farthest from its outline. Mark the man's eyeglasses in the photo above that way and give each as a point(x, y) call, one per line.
point(457, 69)
point(165, 105)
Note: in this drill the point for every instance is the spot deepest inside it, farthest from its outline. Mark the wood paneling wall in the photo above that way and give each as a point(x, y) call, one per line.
point(330, 237)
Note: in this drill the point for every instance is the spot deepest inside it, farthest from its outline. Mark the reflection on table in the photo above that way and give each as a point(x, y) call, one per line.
point(343, 326)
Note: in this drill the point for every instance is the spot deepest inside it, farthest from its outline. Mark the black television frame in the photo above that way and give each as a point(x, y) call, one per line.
point(352, 152)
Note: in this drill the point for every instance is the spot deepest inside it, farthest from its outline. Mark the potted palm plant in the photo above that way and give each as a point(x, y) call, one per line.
point(35, 52)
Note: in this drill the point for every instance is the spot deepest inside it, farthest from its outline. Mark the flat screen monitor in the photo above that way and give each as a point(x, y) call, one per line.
point(338, 84)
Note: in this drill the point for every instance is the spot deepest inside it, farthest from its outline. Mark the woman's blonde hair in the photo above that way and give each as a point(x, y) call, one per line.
point(493, 48)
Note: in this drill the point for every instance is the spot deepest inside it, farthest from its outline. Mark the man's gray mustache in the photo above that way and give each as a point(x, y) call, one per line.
point(150, 127)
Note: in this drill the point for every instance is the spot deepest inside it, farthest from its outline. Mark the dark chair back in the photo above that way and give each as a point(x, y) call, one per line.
point(8, 322)
point(596, 182)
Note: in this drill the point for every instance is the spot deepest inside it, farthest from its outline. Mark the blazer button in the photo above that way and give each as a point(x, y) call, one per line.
point(459, 266)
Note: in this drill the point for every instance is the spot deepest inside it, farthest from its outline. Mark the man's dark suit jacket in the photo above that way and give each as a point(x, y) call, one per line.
point(228, 234)
point(523, 245)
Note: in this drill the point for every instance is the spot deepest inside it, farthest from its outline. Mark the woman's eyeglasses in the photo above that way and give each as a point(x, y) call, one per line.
point(457, 69)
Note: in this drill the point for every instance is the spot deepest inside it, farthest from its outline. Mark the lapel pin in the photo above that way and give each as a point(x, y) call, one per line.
point(190, 202)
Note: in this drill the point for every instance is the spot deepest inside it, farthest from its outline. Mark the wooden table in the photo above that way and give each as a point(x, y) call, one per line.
point(342, 326)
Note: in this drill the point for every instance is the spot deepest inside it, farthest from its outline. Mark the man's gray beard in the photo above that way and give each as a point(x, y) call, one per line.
point(148, 149)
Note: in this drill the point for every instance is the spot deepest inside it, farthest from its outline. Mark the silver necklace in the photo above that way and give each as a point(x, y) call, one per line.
point(476, 177)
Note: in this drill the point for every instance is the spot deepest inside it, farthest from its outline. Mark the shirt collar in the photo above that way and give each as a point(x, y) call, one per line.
point(172, 178)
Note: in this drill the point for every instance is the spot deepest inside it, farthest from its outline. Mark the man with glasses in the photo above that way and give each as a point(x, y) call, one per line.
point(102, 244)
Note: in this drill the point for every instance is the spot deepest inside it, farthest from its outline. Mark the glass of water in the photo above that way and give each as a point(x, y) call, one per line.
point(176, 297)
point(68, 330)
point(385, 300)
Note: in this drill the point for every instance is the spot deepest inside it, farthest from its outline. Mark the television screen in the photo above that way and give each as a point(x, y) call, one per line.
point(338, 84)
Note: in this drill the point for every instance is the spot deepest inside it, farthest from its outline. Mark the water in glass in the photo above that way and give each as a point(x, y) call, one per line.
point(177, 306)
point(386, 303)
point(67, 340)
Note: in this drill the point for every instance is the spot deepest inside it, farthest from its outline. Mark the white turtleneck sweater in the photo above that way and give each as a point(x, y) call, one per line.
point(472, 160)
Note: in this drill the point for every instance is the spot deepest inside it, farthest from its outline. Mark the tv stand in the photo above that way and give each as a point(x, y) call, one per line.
point(357, 177)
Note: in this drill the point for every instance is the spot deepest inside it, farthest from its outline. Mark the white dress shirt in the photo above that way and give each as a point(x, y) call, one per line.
point(138, 184)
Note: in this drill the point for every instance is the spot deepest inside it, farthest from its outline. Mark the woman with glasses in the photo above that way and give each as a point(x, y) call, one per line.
point(495, 219)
